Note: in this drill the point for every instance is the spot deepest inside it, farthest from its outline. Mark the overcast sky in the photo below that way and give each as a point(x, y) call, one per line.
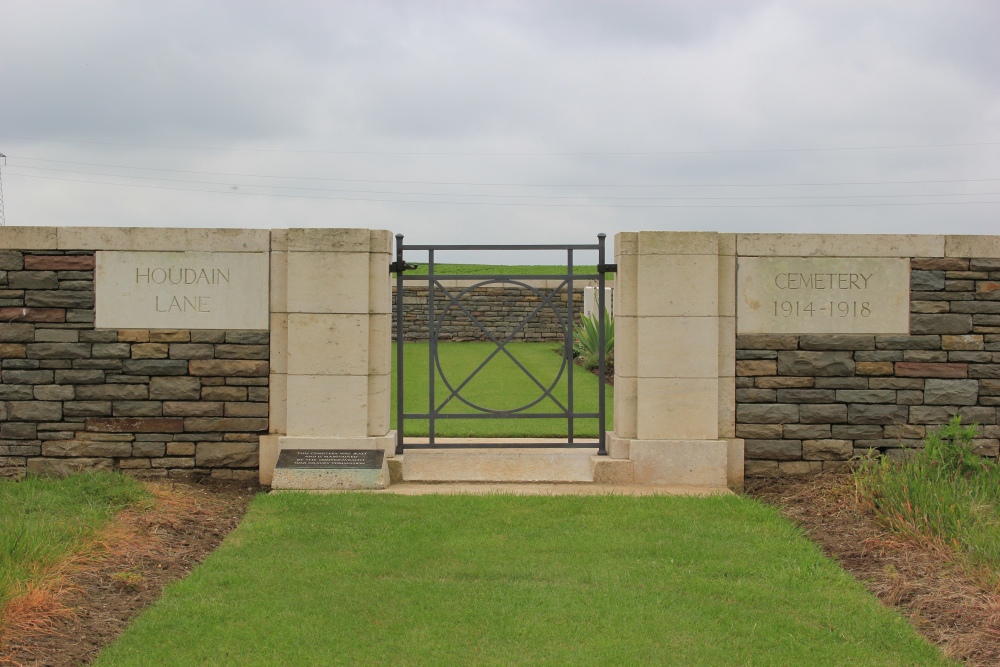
point(503, 122)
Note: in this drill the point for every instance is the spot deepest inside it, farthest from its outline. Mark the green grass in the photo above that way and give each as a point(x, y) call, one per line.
point(500, 385)
point(43, 519)
point(943, 492)
point(504, 269)
point(355, 579)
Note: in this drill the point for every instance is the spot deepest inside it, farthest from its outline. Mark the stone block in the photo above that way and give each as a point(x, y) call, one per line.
point(227, 454)
point(57, 467)
point(86, 409)
point(760, 468)
point(827, 450)
point(194, 351)
point(136, 408)
point(931, 370)
point(682, 407)
point(806, 431)
point(12, 377)
point(81, 448)
point(54, 392)
point(59, 262)
point(775, 450)
point(115, 392)
point(784, 382)
point(874, 368)
point(680, 462)
point(756, 395)
point(11, 260)
point(678, 347)
point(79, 376)
point(822, 342)
point(951, 392)
point(111, 350)
point(767, 413)
point(59, 299)
point(841, 245)
point(222, 424)
point(986, 371)
point(815, 363)
point(156, 367)
point(752, 368)
point(866, 396)
point(799, 467)
point(877, 414)
point(693, 282)
point(135, 425)
point(946, 323)
point(607, 470)
point(176, 388)
point(767, 342)
point(150, 351)
point(199, 239)
point(759, 431)
point(327, 344)
point(17, 333)
point(18, 430)
point(926, 281)
point(192, 409)
point(13, 314)
point(246, 409)
point(58, 350)
point(806, 396)
point(12, 351)
point(35, 280)
point(228, 368)
point(34, 411)
point(965, 342)
point(834, 413)
point(328, 282)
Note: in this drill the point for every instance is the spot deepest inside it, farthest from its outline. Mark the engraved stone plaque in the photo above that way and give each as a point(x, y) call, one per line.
point(331, 459)
point(181, 290)
point(835, 295)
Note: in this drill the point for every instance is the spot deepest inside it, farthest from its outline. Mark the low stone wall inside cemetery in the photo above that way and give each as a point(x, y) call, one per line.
point(811, 402)
point(164, 402)
point(500, 309)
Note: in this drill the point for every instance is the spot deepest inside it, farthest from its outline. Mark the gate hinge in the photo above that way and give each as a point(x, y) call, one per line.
point(607, 268)
point(395, 268)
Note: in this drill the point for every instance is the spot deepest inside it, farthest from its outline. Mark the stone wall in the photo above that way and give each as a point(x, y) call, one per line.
point(500, 309)
point(810, 402)
point(159, 403)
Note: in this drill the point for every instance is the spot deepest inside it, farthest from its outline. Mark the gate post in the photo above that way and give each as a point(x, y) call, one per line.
point(674, 346)
point(332, 347)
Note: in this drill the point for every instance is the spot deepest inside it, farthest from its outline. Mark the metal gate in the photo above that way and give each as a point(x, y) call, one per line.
point(442, 300)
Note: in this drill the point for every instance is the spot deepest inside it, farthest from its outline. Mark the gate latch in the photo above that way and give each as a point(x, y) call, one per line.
point(607, 268)
point(395, 267)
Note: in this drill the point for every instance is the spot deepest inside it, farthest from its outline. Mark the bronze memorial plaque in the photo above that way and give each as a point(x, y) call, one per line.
point(331, 459)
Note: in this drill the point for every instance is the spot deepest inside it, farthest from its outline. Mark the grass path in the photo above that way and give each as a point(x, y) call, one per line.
point(355, 579)
point(500, 385)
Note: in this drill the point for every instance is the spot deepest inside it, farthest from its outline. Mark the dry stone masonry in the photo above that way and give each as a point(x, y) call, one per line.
point(160, 403)
point(811, 402)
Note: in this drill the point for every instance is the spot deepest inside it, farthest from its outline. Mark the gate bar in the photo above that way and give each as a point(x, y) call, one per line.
point(400, 268)
point(602, 418)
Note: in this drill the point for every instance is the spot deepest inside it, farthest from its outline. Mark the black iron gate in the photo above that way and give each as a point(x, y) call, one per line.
point(450, 298)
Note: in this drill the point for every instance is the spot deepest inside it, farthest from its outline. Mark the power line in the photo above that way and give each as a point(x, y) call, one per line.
point(467, 203)
point(511, 154)
point(500, 196)
point(518, 185)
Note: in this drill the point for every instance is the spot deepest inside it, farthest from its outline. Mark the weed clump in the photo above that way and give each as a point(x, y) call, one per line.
point(944, 492)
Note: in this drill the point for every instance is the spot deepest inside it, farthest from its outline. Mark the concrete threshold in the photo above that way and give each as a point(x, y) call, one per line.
point(528, 489)
point(513, 442)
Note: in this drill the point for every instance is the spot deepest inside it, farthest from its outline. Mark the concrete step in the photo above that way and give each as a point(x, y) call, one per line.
point(502, 465)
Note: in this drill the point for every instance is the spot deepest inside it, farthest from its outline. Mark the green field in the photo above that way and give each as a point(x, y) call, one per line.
point(501, 385)
point(504, 269)
point(361, 579)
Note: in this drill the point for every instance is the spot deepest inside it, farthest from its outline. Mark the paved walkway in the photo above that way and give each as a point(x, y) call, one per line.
point(527, 489)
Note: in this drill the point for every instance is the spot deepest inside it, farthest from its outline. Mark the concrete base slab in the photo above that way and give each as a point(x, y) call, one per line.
point(570, 489)
point(498, 465)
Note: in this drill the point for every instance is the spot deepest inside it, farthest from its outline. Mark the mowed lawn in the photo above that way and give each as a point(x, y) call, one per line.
point(363, 579)
point(500, 385)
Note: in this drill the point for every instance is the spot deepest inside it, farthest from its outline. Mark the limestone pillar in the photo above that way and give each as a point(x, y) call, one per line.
point(674, 346)
point(330, 341)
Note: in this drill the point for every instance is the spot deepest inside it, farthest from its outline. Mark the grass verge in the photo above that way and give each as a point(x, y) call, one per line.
point(500, 385)
point(43, 519)
point(943, 492)
point(356, 579)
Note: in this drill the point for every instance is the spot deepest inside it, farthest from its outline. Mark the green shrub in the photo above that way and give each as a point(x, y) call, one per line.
point(587, 340)
point(943, 492)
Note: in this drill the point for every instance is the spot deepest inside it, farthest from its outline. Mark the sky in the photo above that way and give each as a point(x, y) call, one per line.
point(503, 122)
